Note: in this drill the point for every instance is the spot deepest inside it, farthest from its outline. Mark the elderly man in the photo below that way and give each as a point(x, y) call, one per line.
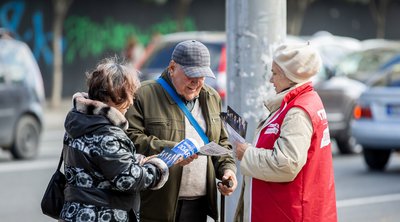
point(156, 122)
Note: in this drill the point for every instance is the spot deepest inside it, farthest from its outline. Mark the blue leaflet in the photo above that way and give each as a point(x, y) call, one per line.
point(168, 156)
point(184, 149)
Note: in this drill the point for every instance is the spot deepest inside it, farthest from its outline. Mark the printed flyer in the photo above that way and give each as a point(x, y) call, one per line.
point(188, 147)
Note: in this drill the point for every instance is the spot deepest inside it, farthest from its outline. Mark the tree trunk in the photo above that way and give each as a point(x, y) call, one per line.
point(295, 15)
point(182, 7)
point(378, 10)
point(60, 11)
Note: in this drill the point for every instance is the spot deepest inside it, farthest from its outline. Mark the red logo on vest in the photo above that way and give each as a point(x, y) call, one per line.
point(272, 129)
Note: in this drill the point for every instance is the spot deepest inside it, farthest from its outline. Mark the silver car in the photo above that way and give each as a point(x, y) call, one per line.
point(21, 100)
point(340, 91)
point(376, 123)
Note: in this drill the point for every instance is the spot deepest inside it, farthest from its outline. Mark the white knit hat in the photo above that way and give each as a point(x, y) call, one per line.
point(299, 62)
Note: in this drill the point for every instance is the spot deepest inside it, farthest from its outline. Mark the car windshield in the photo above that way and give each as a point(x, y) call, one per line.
point(16, 60)
point(389, 79)
point(161, 57)
point(13, 61)
point(359, 65)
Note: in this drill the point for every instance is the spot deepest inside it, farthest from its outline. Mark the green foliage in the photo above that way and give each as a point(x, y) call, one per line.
point(85, 37)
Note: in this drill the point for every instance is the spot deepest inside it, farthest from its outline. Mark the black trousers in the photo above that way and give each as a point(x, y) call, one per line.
point(192, 210)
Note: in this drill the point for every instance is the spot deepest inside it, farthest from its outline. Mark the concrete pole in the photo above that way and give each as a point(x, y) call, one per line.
point(254, 28)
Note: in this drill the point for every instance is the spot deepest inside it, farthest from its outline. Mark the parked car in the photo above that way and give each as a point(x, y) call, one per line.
point(376, 123)
point(344, 86)
point(21, 100)
point(159, 59)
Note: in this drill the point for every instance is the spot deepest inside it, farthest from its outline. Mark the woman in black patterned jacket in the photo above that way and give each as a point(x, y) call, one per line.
point(104, 173)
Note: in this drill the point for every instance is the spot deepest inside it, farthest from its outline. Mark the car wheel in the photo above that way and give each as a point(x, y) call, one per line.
point(347, 144)
point(26, 138)
point(376, 159)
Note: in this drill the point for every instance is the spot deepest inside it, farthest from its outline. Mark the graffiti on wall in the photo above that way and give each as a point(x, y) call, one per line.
point(88, 38)
point(83, 37)
point(11, 16)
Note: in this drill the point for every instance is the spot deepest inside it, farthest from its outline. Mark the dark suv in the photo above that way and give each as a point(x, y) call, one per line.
point(21, 99)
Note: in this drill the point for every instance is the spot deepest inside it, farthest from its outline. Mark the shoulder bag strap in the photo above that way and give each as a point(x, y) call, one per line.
point(178, 101)
point(61, 159)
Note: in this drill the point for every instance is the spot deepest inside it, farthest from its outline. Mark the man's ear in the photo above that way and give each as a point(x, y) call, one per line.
point(171, 66)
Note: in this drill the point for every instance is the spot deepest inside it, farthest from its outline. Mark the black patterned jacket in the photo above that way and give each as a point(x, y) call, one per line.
point(104, 175)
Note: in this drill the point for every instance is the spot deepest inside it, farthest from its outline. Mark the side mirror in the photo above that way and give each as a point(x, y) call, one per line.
point(330, 72)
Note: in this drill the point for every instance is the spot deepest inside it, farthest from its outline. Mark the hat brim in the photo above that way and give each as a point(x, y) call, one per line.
point(197, 71)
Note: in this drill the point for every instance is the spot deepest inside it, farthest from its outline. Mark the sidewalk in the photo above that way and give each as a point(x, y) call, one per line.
point(54, 117)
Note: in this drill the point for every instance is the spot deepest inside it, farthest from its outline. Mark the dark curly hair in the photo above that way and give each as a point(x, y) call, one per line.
point(113, 82)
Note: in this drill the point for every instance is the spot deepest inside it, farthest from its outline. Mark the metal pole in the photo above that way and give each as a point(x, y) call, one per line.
point(254, 28)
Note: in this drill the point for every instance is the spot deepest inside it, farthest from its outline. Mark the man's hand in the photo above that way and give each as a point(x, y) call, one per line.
point(183, 162)
point(225, 190)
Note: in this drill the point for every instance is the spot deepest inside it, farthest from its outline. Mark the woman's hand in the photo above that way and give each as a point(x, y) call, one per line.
point(145, 159)
point(240, 149)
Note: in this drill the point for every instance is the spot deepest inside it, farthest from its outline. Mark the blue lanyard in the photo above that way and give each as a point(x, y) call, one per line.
point(182, 106)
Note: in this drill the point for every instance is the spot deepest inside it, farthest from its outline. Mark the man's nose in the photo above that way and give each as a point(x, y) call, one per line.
point(195, 80)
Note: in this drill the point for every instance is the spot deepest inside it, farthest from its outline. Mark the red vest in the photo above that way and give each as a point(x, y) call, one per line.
point(311, 195)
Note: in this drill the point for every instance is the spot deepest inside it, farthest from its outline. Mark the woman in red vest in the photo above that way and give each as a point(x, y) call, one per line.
point(289, 164)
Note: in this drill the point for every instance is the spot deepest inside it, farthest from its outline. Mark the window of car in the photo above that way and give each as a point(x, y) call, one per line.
point(161, 57)
point(359, 65)
point(13, 62)
point(18, 66)
point(391, 78)
point(215, 54)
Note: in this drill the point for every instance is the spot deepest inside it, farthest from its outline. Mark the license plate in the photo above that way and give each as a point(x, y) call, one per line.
point(393, 110)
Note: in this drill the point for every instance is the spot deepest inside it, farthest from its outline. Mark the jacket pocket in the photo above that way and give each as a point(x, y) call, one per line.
point(156, 127)
point(161, 128)
point(215, 123)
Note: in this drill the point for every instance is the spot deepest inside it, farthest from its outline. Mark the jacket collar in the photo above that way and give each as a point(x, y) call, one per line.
point(84, 105)
point(298, 90)
point(273, 103)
